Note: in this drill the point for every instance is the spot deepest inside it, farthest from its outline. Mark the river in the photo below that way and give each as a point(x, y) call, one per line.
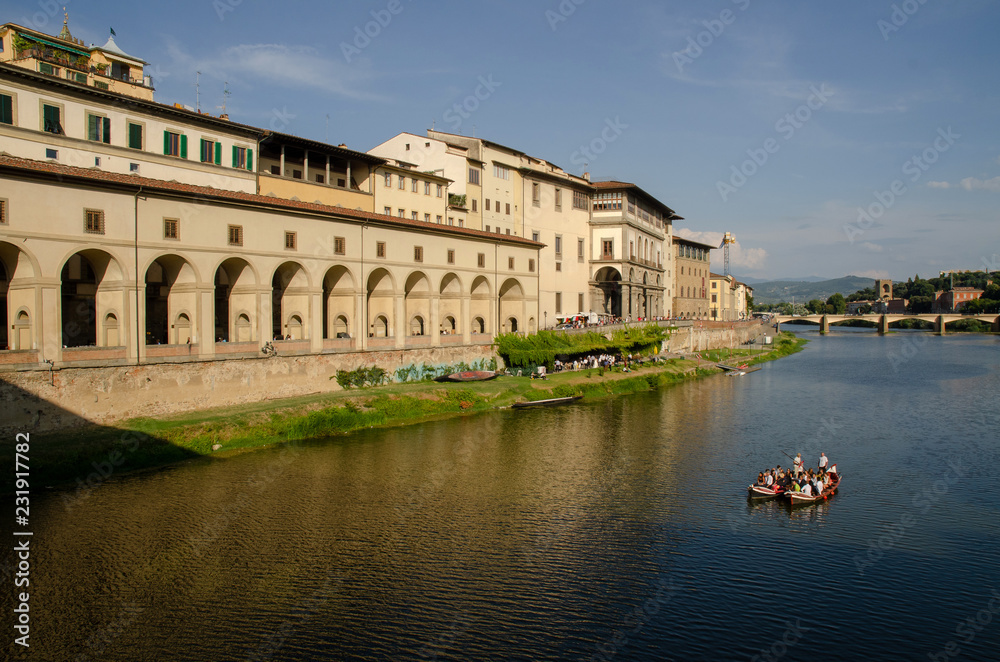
point(616, 529)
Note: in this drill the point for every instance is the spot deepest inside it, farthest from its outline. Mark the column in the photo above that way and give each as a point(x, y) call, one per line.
point(327, 180)
point(282, 173)
point(435, 320)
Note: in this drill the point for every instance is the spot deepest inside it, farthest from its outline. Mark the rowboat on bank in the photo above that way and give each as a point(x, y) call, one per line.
point(799, 499)
point(551, 402)
point(468, 376)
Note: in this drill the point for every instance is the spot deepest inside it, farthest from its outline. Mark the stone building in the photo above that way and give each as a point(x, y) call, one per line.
point(691, 299)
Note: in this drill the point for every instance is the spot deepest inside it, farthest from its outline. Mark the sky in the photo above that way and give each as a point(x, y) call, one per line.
point(857, 137)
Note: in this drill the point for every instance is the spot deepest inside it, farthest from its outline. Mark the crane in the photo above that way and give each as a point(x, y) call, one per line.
point(727, 239)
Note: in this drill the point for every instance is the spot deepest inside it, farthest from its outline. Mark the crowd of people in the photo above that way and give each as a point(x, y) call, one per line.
point(810, 482)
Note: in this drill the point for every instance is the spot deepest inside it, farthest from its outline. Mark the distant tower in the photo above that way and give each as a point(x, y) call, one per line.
point(884, 289)
point(726, 240)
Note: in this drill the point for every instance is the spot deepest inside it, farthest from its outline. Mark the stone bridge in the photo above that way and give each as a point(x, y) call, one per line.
point(883, 321)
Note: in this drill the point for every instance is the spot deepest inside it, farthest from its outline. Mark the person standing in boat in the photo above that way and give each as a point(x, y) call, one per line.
point(822, 461)
point(797, 464)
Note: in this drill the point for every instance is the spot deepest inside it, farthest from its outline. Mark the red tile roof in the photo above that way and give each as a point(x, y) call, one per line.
point(19, 165)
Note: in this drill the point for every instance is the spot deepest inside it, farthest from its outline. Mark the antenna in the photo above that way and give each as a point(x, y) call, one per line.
point(197, 91)
point(225, 97)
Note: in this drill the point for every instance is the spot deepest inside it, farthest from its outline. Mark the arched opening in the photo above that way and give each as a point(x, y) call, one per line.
point(381, 326)
point(608, 282)
point(478, 325)
point(450, 303)
point(91, 288)
point(112, 337)
point(511, 303)
point(511, 324)
point(531, 325)
point(17, 293)
point(417, 326)
point(480, 304)
point(182, 329)
point(448, 326)
point(171, 285)
point(338, 302)
point(294, 328)
point(381, 303)
point(235, 289)
point(289, 292)
point(22, 331)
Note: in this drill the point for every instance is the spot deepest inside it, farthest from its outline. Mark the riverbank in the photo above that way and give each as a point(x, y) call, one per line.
point(86, 456)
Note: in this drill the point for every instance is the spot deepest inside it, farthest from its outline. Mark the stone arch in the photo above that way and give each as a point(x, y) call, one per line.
point(511, 304)
point(339, 302)
point(182, 329)
point(235, 296)
point(18, 273)
point(609, 283)
point(289, 298)
point(112, 334)
point(171, 285)
point(478, 324)
point(381, 295)
point(448, 325)
point(92, 285)
point(417, 300)
point(450, 303)
point(480, 304)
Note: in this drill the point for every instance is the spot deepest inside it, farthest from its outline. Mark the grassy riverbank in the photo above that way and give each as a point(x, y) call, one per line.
point(85, 457)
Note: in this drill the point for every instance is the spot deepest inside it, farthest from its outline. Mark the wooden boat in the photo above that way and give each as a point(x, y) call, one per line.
point(799, 499)
point(762, 492)
point(737, 370)
point(469, 376)
point(551, 402)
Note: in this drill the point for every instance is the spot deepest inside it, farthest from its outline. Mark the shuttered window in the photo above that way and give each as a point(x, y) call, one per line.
point(135, 136)
point(99, 129)
point(6, 109)
point(50, 119)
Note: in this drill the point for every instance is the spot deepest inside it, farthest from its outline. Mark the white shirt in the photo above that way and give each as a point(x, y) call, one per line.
point(822, 461)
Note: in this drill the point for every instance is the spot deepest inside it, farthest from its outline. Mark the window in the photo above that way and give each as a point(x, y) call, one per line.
point(579, 249)
point(3, 212)
point(242, 157)
point(427, 188)
point(93, 221)
point(451, 220)
point(339, 246)
point(320, 179)
point(487, 204)
point(631, 250)
point(474, 176)
point(603, 201)
point(47, 68)
point(52, 153)
point(714, 296)
point(134, 135)
point(531, 265)
point(534, 236)
point(174, 144)
point(97, 161)
point(51, 122)
point(558, 303)
point(579, 301)
point(558, 266)
point(6, 107)
point(508, 209)
point(510, 263)
point(379, 249)
point(536, 194)
point(481, 261)
point(558, 244)
point(501, 172)
point(488, 229)
point(415, 215)
point(461, 222)
point(498, 206)
point(402, 213)
point(211, 152)
point(171, 228)
point(276, 170)
point(99, 129)
point(388, 211)
point(427, 218)
point(440, 190)
point(402, 183)
point(235, 235)
point(388, 180)
point(290, 241)
point(474, 201)
point(558, 198)
point(607, 249)
point(451, 256)
point(440, 219)
point(416, 185)
point(418, 253)
point(296, 174)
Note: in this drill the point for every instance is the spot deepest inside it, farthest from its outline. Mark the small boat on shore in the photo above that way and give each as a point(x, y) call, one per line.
point(551, 402)
point(468, 376)
point(799, 499)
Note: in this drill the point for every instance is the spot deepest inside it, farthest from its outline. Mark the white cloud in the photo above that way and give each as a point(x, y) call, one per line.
point(973, 184)
point(869, 247)
point(938, 185)
point(875, 274)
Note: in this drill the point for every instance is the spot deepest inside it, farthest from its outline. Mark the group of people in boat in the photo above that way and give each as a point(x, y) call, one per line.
point(810, 482)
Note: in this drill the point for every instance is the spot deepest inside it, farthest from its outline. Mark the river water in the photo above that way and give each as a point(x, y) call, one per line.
point(608, 530)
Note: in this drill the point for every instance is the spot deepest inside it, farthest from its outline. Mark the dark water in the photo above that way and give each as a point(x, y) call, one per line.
point(609, 530)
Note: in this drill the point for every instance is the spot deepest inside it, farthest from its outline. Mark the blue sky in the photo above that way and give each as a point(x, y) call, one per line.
point(778, 121)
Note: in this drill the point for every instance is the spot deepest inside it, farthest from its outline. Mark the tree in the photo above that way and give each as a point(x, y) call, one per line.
point(920, 304)
point(837, 303)
point(816, 306)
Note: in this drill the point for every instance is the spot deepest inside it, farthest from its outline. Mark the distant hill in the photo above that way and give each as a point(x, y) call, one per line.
point(776, 291)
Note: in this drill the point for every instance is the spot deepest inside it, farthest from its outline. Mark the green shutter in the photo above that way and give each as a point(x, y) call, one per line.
point(107, 130)
point(249, 159)
point(236, 155)
point(218, 153)
point(50, 116)
point(135, 136)
point(184, 146)
point(6, 109)
point(166, 142)
point(92, 127)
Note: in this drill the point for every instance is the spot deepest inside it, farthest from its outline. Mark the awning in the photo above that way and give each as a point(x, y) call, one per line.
point(62, 47)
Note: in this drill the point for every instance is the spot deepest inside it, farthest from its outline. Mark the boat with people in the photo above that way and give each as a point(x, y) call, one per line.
point(765, 492)
point(800, 498)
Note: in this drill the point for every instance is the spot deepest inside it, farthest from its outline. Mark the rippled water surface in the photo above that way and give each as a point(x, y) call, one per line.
point(607, 530)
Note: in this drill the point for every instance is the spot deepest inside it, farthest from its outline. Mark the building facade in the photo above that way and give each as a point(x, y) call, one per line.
point(691, 300)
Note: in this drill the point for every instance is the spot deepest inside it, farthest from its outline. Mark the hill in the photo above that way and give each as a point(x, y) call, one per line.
point(777, 291)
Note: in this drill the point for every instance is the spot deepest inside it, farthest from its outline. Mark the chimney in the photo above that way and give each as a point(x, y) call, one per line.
point(586, 176)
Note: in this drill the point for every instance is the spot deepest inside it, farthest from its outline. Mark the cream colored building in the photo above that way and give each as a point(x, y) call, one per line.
point(728, 299)
point(405, 192)
point(175, 248)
